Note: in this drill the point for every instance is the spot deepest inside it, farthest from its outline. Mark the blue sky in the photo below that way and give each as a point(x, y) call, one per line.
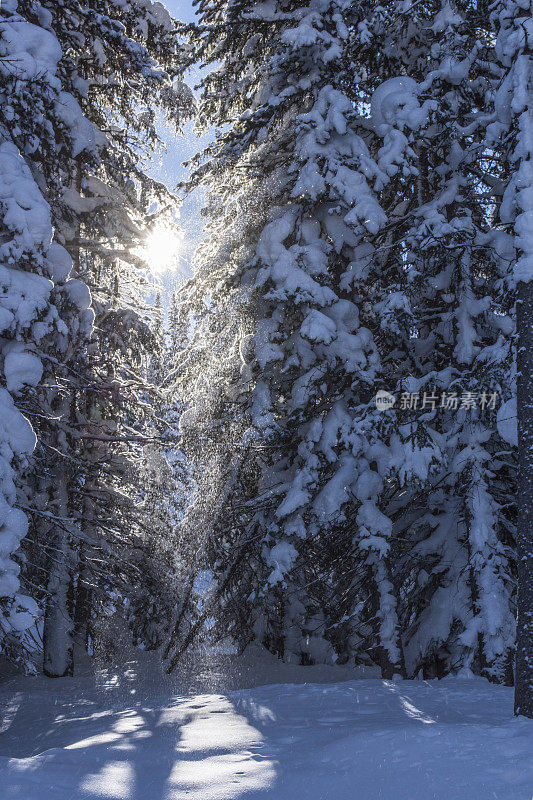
point(168, 166)
point(181, 9)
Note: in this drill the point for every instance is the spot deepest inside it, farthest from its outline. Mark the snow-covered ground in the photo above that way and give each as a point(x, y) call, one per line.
point(201, 736)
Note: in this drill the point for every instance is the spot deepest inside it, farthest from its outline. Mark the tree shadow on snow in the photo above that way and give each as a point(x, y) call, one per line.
point(100, 740)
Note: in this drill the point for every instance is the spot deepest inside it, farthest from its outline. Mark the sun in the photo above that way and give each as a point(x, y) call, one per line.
point(162, 249)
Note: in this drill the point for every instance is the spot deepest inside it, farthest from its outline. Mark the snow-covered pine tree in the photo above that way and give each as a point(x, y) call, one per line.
point(163, 605)
point(117, 64)
point(41, 128)
point(442, 303)
point(440, 204)
point(123, 68)
point(293, 461)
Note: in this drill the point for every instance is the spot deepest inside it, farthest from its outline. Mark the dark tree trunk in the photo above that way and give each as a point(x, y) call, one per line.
point(524, 536)
point(58, 659)
point(82, 613)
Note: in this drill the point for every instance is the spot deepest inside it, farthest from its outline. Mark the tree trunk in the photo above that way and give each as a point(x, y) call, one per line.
point(82, 613)
point(57, 635)
point(524, 535)
point(58, 659)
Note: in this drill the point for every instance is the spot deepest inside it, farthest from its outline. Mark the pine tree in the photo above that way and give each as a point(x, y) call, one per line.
point(449, 310)
point(274, 306)
point(164, 604)
point(41, 128)
point(130, 65)
point(86, 116)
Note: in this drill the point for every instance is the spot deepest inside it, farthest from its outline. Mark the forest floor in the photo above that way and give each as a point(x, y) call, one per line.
point(230, 728)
